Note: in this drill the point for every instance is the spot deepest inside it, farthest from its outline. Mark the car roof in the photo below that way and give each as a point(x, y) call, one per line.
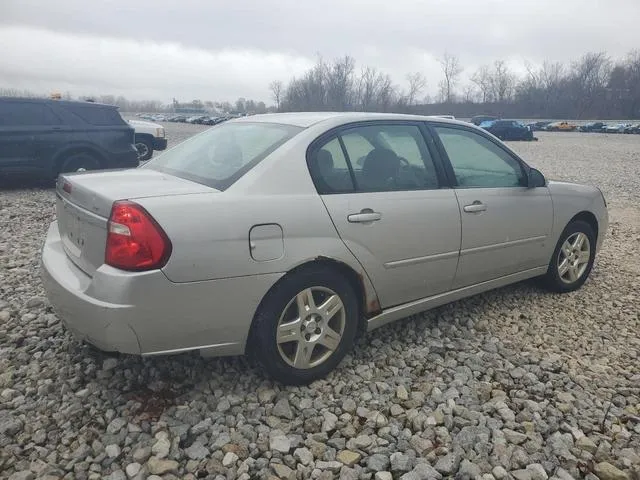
point(307, 119)
point(58, 102)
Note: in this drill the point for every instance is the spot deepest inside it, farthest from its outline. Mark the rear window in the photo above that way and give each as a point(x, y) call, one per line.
point(221, 155)
point(94, 115)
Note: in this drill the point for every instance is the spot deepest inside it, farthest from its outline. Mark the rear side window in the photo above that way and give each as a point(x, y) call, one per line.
point(330, 170)
point(94, 115)
point(221, 155)
point(26, 114)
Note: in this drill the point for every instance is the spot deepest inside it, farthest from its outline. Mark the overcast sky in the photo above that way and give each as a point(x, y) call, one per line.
point(224, 49)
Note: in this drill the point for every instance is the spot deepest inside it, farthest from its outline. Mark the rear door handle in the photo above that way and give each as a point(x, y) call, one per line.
point(366, 215)
point(475, 207)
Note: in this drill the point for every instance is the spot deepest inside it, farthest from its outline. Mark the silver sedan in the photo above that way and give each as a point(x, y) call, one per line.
point(285, 236)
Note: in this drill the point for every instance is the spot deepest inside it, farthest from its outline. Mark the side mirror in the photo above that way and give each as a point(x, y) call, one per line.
point(535, 179)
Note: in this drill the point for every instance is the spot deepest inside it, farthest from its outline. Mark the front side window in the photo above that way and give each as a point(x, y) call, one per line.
point(478, 162)
point(382, 158)
point(219, 156)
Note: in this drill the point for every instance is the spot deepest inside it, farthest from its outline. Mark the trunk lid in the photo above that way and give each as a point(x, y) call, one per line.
point(84, 201)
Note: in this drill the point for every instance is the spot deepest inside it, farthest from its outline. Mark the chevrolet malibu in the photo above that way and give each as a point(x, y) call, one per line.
point(284, 236)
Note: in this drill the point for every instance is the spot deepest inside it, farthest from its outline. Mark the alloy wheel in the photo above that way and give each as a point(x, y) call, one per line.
point(574, 256)
point(311, 327)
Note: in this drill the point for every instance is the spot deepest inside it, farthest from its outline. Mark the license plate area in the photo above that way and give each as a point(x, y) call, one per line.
point(74, 237)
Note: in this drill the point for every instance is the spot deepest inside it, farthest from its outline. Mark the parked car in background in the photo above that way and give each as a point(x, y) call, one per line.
point(615, 128)
point(561, 127)
point(538, 126)
point(508, 130)
point(148, 137)
point(478, 119)
point(592, 127)
point(48, 137)
point(151, 261)
point(632, 128)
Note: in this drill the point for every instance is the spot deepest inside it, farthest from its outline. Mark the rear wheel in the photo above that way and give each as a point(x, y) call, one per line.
point(79, 162)
point(305, 326)
point(572, 258)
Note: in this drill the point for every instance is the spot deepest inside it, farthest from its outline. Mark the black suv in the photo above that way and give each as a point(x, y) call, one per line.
point(508, 130)
point(48, 137)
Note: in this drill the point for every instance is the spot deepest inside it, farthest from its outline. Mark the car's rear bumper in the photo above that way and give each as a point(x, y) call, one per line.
point(159, 143)
point(146, 313)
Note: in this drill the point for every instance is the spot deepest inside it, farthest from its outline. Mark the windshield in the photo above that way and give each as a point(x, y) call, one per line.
point(221, 155)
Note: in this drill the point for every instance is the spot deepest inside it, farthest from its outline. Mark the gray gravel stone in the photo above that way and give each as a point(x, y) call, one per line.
point(303, 455)
point(229, 459)
point(606, 471)
point(422, 471)
point(448, 464)
point(401, 462)
point(197, 451)
point(283, 409)
point(377, 462)
point(383, 476)
point(280, 443)
point(23, 475)
point(132, 469)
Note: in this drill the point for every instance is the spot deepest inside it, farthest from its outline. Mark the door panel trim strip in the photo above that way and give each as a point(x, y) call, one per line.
point(416, 260)
point(497, 246)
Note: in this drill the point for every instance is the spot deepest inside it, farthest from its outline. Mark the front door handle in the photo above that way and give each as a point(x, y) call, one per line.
point(475, 207)
point(366, 215)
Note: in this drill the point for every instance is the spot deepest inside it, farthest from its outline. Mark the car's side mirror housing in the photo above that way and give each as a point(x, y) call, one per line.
point(535, 178)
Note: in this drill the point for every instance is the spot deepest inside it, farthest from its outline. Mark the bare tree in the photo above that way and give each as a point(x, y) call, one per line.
point(502, 81)
point(482, 79)
point(276, 88)
point(588, 78)
point(417, 83)
point(339, 80)
point(469, 94)
point(451, 70)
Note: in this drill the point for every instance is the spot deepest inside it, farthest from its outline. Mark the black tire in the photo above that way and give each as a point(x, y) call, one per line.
point(144, 146)
point(79, 162)
point(552, 280)
point(263, 344)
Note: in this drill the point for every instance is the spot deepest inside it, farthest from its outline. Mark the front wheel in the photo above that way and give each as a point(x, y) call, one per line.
point(572, 258)
point(305, 326)
point(145, 148)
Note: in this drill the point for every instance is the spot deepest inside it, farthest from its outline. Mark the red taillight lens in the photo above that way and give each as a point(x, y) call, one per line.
point(135, 241)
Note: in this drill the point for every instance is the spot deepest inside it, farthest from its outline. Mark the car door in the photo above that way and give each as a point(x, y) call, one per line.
point(382, 187)
point(505, 224)
point(26, 129)
point(17, 137)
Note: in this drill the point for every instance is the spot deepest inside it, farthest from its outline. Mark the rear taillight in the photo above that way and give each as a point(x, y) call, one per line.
point(135, 241)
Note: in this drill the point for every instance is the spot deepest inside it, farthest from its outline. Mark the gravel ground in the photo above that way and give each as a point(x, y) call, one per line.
point(515, 383)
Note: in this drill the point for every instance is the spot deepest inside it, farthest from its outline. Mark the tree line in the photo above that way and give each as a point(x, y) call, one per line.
point(593, 86)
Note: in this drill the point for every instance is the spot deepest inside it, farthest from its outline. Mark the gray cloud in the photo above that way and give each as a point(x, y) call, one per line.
point(220, 49)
